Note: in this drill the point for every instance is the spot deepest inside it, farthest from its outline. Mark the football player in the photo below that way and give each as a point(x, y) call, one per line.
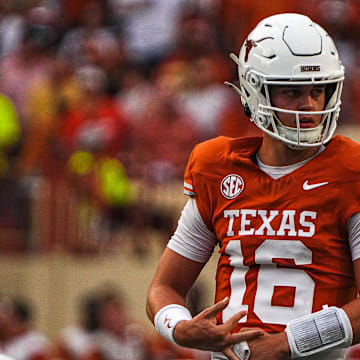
point(284, 210)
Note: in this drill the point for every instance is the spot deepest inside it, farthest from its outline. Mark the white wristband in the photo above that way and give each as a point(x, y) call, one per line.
point(326, 329)
point(168, 317)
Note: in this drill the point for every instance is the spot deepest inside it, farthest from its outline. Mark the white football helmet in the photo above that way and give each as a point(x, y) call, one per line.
point(289, 49)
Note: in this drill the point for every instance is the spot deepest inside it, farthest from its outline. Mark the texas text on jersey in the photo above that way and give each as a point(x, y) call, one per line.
point(283, 253)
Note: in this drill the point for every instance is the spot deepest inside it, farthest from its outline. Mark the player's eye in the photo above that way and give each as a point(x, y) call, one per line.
point(291, 92)
point(318, 91)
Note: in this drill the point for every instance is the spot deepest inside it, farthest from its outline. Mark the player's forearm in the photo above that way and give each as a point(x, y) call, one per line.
point(174, 277)
point(352, 309)
point(160, 296)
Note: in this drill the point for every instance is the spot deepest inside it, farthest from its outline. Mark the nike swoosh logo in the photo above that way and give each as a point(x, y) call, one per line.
point(307, 186)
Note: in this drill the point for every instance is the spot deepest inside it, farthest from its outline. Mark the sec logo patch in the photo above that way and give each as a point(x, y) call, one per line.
point(232, 186)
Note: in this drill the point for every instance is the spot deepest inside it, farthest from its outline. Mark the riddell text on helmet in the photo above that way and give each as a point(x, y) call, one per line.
point(310, 68)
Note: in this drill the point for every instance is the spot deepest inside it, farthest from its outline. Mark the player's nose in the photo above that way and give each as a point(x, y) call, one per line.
point(307, 102)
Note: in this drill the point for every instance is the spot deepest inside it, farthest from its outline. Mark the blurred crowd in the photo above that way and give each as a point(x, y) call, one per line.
point(100, 99)
point(104, 331)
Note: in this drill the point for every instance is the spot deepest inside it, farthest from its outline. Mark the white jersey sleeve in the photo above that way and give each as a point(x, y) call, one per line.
point(353, 230)
point(192, 239)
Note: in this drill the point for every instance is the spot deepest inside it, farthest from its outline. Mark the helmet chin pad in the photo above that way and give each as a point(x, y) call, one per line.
point(298, 135)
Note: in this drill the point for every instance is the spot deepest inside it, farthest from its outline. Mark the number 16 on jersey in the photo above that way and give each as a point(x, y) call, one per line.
point(269, 276)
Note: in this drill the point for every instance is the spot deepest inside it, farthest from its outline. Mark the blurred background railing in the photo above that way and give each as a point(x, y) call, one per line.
point(101, 103)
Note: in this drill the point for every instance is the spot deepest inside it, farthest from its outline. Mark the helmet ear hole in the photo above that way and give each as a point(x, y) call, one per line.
point(247, 111)
point(254, 80)
point(264, 121)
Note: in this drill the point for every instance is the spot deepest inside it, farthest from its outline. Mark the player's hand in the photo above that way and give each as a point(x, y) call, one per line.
point(203, 332)
point(270, 347)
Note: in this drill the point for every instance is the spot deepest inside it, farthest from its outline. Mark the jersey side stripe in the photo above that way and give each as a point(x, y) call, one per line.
point(188, 186)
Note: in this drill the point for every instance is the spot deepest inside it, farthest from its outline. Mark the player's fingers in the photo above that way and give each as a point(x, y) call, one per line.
point(244, 329)
point(215, 309)
point(229, 353)
point(229, 324)
point(243, 336)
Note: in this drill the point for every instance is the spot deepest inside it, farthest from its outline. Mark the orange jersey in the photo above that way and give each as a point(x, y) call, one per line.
point(283, 246)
